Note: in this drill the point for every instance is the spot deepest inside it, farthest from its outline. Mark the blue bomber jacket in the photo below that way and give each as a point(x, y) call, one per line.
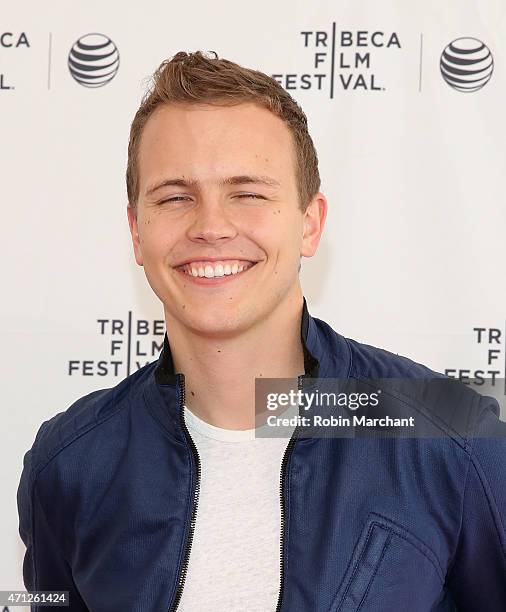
point(108, 498)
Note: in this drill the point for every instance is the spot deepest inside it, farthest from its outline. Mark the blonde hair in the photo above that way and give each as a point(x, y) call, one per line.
point(195, 78)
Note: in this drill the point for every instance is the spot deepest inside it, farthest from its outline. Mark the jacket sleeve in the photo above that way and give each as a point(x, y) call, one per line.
point(477, 579)
point(44, 566)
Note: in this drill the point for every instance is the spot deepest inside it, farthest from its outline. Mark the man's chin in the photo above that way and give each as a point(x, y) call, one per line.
point(215, 323)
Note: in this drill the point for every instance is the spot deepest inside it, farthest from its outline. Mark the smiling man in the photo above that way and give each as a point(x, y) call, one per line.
point(157, 494)
point(216, 224)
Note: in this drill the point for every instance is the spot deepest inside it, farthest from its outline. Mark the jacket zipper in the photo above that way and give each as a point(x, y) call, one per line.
point(284, 464)
point(184, 569)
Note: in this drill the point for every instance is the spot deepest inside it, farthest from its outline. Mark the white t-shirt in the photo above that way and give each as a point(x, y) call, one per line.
point(234, 562)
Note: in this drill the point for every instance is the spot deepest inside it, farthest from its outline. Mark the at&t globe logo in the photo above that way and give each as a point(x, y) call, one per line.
point(466, 64)
point(93, 60)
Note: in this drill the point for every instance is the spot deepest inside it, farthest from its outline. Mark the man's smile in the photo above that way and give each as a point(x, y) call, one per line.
point(205, 272)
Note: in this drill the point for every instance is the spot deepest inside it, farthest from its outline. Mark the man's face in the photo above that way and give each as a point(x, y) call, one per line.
point(189, 214)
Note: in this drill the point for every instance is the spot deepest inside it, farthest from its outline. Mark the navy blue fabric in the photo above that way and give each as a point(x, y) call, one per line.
point(371, 525)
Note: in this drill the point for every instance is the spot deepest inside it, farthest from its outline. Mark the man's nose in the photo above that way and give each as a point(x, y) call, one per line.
point(211, 221)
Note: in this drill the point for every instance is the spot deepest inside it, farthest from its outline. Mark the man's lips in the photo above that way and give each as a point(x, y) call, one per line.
point(221, 271)
point(203, 260)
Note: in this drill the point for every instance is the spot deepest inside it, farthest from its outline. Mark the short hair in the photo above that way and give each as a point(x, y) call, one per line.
point(195, 78)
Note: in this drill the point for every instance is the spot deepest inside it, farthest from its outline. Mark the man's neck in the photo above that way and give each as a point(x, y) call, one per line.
point(220, 373)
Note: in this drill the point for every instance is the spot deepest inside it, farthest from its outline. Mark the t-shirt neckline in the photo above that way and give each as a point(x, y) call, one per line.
point(196, 424)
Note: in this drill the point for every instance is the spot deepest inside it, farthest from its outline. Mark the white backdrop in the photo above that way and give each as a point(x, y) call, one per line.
point(413, 253)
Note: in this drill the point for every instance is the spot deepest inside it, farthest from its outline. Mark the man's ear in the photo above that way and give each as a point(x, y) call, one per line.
point(134, 231)
point(313, 223)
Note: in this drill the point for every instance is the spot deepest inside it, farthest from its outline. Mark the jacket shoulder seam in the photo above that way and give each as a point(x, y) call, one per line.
point(350, 355)
point(426, 413)
point(461, 519)
point(491, 502)
point(57, 449)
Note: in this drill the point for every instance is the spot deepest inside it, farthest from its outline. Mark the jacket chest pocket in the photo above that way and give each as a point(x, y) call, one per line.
point(390, 569)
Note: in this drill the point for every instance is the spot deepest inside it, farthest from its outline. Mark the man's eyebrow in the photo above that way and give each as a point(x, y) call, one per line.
point(243, 179)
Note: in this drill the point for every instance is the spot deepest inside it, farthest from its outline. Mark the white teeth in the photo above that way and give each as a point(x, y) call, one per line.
point(215, 270)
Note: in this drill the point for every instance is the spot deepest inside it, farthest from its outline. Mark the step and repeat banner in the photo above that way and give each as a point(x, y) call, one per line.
point(405, 104)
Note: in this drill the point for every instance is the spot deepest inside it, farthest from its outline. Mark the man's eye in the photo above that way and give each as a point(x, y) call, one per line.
point(174, 199)
point(251, 195)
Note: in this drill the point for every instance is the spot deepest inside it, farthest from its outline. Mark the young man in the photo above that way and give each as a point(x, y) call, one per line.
point(156, 494)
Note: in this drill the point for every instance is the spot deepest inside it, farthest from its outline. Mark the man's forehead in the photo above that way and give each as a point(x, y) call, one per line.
point(189, 157)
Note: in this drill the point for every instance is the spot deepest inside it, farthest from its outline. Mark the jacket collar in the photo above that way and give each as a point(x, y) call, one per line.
point(326, 355)
point(165, 374)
